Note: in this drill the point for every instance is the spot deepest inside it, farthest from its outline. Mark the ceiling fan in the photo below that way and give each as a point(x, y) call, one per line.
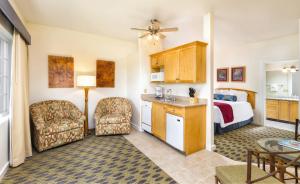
point(154, 30)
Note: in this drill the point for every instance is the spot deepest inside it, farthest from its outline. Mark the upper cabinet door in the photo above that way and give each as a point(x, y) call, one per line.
point(157, 61)
point(172, 66)
point(187, 64)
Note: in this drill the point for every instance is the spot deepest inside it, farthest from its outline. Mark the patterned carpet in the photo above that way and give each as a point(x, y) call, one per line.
point(234, 143)
point(110, 159)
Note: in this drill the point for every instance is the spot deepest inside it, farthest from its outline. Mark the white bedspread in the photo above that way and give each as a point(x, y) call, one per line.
point(242, 111)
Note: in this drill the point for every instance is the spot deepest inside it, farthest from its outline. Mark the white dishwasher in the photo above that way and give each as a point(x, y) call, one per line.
point(175, 131)
point(146, 116)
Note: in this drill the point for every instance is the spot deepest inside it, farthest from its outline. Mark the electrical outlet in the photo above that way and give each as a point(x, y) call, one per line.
point(145, 91)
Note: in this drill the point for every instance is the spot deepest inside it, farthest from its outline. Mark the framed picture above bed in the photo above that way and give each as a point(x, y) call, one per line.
point(222, 74)
point(238, 74)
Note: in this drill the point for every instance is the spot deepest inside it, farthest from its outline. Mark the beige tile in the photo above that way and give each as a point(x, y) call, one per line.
point(198, 168)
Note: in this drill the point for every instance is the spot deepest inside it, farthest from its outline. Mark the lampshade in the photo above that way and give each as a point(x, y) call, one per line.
point(86, 81)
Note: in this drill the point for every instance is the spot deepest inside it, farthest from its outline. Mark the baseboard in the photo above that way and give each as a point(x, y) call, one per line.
point(4, 170)
point(136, 127)
point(213, 147)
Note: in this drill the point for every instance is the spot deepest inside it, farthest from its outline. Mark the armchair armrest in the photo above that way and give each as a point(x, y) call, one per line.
point(77, 115)
point(37, 119)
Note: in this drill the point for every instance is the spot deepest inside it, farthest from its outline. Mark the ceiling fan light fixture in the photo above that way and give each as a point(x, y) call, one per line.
point(293, 69)
point(154, 31)
point(284, 69)
point(149, 37)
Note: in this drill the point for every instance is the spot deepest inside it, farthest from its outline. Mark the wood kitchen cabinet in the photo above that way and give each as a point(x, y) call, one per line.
point(157, 61)
point(294, 111)
point(272, 109)
point(282, 110)
point(194, 124)
point(183, 64)
point(158, 121)
point(171, 66)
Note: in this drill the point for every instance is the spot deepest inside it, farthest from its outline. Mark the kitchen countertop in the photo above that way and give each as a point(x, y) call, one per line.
point(180, 101)
point(283, 98)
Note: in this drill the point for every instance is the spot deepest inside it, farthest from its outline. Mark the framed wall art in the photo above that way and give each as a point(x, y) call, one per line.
point(105, 74)
point(60, 72)
point(222, 74)
point(238, 74)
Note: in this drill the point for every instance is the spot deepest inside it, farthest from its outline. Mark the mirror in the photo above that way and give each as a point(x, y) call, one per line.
point(281, 79)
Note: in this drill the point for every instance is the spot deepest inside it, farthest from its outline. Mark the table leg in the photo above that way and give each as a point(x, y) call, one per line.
point(296, 173)
point(272, 163)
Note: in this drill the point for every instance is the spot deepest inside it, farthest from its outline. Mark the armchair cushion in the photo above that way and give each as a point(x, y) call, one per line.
point(112, 119)
point(237, 174)
point(60, 125)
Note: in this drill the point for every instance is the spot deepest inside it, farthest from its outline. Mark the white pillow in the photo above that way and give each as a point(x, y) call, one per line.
point(222, 91)
point(242, 96)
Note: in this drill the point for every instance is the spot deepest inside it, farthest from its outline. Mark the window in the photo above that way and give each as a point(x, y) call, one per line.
point(5, 67)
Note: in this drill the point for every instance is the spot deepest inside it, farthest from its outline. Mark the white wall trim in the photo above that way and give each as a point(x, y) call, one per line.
point(136, 127)
point(4, 170)
point(4, 119)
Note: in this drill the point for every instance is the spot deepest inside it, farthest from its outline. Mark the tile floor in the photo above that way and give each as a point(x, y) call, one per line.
point(198, 168)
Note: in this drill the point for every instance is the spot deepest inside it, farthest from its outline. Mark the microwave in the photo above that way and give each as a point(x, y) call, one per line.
point(158, 76)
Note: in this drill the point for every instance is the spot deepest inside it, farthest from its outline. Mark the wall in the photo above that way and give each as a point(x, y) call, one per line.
point(231, 52)
point(147, 48)
point(133, 87)
point(86, 49)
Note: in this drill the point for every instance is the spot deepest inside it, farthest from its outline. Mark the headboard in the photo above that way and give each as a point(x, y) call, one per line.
point(250, 98)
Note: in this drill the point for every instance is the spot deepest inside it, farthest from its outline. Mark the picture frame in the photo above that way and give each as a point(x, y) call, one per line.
point(60, 72)
point(222, 74)
point(238, 74)
point(105, 74)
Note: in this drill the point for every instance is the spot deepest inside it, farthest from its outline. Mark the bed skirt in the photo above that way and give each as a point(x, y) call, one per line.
point(219, 130)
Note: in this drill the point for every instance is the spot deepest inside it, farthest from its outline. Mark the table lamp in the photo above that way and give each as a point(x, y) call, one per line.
point(86, 82)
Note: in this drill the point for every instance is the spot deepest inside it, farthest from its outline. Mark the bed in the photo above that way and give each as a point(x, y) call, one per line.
point(233, 114)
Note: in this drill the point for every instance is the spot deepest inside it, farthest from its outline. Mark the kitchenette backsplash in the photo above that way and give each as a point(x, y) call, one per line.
point(178, 89)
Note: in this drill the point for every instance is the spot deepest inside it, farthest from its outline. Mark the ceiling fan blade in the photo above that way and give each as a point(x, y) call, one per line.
point(144, 35)
point(161, 36)
point(139, 29)
point(168, 29)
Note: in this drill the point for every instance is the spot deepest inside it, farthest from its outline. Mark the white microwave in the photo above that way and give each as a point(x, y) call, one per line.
point(158, 76)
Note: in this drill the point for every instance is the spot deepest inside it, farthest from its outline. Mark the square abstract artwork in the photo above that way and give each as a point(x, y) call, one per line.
point(60, 72)
point(105, 74)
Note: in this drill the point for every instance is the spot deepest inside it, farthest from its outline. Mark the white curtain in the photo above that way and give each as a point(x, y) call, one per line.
point(20, 127)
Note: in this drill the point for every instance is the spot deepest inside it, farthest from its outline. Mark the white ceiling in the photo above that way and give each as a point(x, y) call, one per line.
point(250, 20)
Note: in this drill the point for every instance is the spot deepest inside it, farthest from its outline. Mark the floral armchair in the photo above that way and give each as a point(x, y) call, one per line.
point(113, 116)
point(54, 123)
